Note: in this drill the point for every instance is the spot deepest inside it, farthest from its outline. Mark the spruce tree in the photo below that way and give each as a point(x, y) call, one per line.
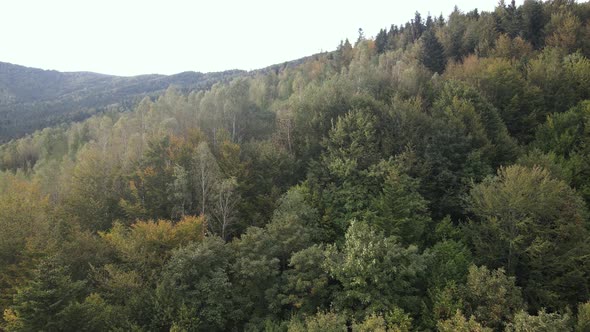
point(381, 41)
point(432, 55)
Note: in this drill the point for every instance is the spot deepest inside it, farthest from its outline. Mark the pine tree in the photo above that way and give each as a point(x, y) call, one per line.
point(432, 55)
point(360, 38)
point(417, 27)
point(381, 41)
point(40, 304)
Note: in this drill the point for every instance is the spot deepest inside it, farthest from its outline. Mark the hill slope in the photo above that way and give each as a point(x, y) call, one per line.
point(32, 99)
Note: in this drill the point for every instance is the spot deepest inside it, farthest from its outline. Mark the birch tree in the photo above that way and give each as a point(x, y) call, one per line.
point(206, 174)
point(226, 201)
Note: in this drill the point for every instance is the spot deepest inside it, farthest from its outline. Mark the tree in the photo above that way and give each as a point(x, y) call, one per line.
point(432, 55)
point(261, 254)
point(396, 321)
point(39, 305)
point(376, 273)
point(195, 284)
point(255, 272)
point(381, 41)
point(417, 26)
point(371, 323)
point(271, 170)
point(491, 296)
point(224, 210)
point(583, 319)
point(149, 185)
point(345, 54)
point(458, 323)
point(25, 225)
point(308, 285)
point(340, 180)
point(509, 18)
point(95, 190)
point(320, 322)
point(535, 227)
point(459, 139)
point(147, 245)
point(180, 193)
point(361, 37)
point(542, 322)
point(533, 22)
point(450, 261)
point(519, 103)
point(398, 209)
point(206, 173)
point(452, 36)
point(565, 136)
point(92, 314)
point(516, 49)
point(564, 29)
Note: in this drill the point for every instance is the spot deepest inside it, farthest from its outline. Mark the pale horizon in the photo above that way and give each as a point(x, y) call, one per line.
point(128, 38)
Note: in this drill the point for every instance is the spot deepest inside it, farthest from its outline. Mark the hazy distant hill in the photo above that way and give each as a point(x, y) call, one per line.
point(32, 99)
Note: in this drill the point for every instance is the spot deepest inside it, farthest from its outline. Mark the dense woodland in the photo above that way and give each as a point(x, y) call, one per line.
point(433, 178)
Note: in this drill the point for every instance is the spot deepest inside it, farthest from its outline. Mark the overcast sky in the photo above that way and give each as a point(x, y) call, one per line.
point(130, 37)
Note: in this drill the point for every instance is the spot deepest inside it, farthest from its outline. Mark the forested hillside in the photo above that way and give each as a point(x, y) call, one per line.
point(433, 178)
point(32, 99)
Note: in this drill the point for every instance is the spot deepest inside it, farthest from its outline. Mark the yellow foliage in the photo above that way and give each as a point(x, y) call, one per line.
point(11, 321)
point(509, 48)
point(150, 242)
point(566, 29)
point(23, 217)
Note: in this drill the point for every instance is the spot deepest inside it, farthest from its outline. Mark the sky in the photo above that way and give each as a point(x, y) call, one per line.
point(132, 37)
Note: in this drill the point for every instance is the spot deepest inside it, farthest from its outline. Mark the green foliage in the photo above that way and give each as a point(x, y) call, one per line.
point(458, 323)
point(320, 322)
point(47, 299)
point(462, 139)
point(398, 321)
point(583, 319)
point(450, 261)
point(24, 224)
point(432, 56)
point(446, 303)
point(94, 314)
point(376, 273)
point(260, 256)
point(500, 80)
point(195, 286)
point(398, 209)
point(565, 136)
point(308, 286)
point(543, 322)
point(93, 198)
point(353, 182)
point(349, 190)
point(271, 172)
point(491, 296)
point(528, 221)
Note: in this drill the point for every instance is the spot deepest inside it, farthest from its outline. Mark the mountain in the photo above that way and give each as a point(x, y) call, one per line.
point(32, 98)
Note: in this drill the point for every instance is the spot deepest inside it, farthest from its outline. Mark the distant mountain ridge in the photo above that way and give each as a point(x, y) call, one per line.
point(32, 98)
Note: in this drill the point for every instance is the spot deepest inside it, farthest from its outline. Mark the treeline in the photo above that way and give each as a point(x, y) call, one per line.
point(436, 177)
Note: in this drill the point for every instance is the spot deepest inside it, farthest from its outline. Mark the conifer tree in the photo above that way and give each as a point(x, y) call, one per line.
point(432, 55)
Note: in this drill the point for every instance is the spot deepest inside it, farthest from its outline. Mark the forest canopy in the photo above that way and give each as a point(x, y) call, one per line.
point(433, 178)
